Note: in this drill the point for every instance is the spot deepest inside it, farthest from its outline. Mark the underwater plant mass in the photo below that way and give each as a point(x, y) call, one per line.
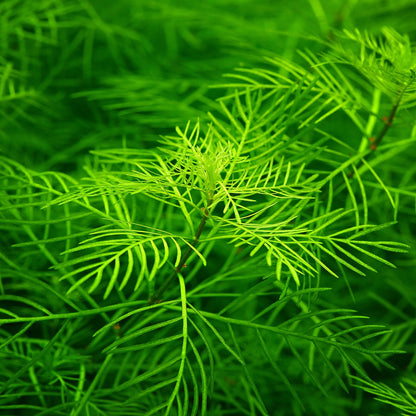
point(207, 208)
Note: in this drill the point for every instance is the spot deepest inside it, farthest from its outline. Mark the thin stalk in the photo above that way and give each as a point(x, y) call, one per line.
point(157, 295)
point(376, 141)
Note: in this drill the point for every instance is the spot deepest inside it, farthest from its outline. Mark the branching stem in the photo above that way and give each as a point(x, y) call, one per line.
point(157, 295)
point(388, 121)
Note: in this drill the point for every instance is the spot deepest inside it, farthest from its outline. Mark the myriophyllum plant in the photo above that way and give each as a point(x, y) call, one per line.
point(193, 278)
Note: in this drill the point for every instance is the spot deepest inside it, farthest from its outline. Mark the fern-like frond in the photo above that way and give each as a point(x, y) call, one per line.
point(140, 252)
point(387, 61)
point(402, 399)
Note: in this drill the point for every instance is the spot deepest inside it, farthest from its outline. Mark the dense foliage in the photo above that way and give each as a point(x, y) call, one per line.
point(207, 208)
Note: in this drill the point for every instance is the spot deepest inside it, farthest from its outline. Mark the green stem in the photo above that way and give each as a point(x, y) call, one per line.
point(377, 140)
point(156, 296)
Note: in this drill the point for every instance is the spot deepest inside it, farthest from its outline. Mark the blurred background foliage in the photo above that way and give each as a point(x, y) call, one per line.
point(78, 74)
